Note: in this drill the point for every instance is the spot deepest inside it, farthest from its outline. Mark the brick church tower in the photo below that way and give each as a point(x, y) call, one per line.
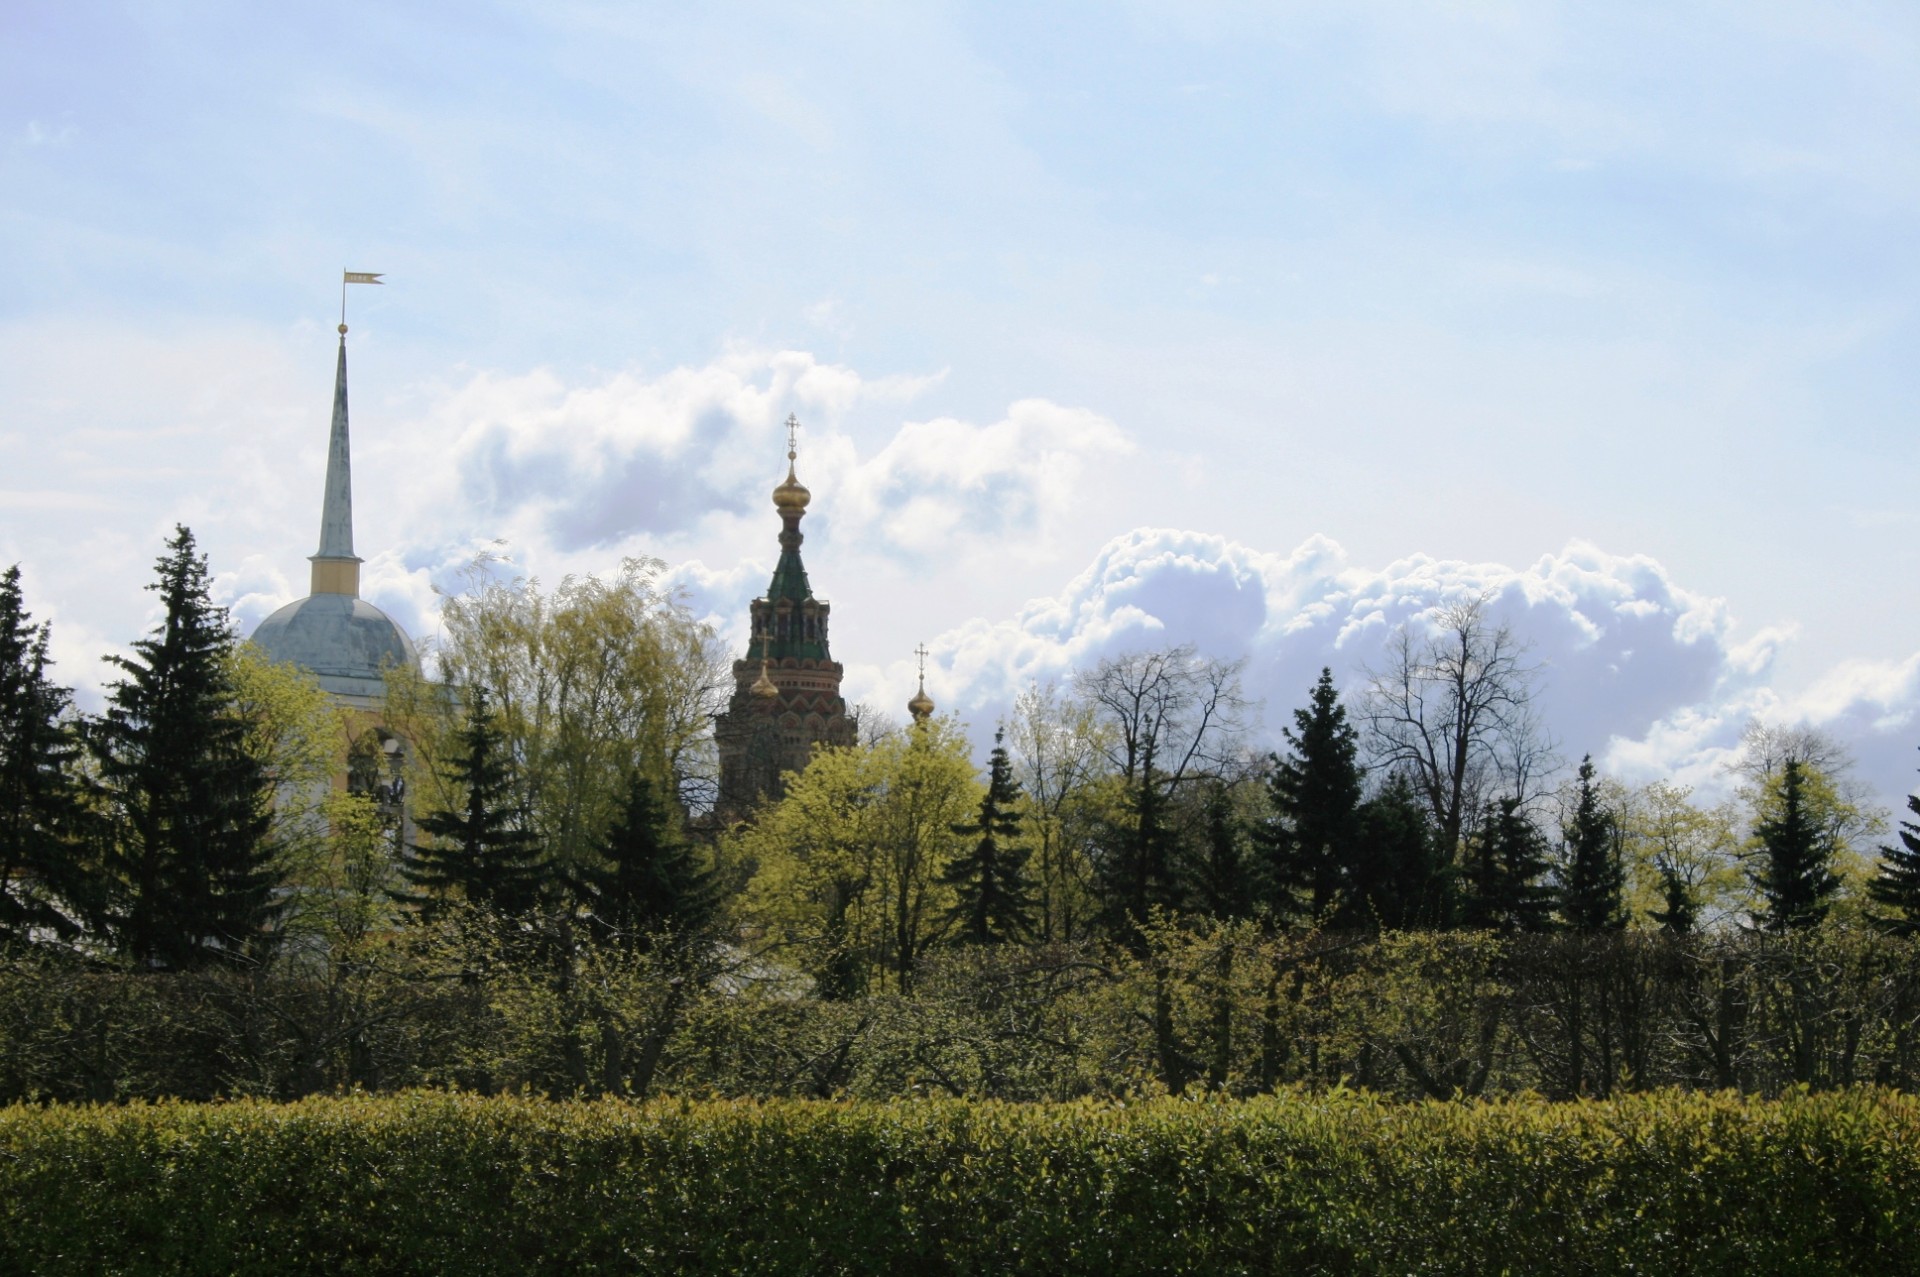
point(786, 697)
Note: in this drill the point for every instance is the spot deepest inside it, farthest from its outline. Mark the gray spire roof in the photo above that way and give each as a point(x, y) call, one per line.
point(336, 510)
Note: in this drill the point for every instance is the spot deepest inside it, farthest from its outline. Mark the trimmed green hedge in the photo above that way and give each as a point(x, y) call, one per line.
point(436, 1183)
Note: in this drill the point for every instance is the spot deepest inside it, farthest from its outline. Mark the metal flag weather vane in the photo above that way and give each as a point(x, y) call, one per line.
point(355, 277)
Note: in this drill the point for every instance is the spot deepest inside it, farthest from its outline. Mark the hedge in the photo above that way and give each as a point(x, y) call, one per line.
point(438, 1183)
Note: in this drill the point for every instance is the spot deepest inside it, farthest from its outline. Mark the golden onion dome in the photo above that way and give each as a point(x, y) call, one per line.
point(791, 496)
point(763, 688)
point(921, 706)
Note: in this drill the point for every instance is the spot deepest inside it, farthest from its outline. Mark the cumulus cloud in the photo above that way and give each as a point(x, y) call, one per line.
point(659, 458)
point(1647, 675)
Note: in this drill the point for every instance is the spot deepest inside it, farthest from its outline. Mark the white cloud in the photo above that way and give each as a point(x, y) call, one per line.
point(1646, 675)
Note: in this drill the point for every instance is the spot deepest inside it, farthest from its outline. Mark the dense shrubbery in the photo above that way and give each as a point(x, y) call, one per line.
point(1224, 1008)
point(1340, 1184)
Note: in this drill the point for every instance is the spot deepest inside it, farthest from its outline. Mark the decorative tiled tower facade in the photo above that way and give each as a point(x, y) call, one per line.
point(786, 697)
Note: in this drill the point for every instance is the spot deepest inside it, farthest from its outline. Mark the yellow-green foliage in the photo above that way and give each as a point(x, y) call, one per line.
point(432, 1184)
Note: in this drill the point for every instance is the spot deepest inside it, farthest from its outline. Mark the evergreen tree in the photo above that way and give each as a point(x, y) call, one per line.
point(1680, 913)
point(1220, 880)
point(1399, 878)
point(1135, 872)
point(1593, 879)
point(1506, 860)
point(1795, 875)
point(483, 851)
point(40, 809)
point(1897, 884)
point(651, 884)
point(1314, 795)
point(995, 900)
point(188, 879)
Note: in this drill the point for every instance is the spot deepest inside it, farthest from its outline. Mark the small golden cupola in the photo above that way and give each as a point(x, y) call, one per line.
point(921, 706)
point(791, 496)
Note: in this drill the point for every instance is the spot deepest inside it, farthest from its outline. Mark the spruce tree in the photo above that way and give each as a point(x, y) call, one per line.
point(1679, 913)
point(1400, 878)
point(1506, 860)
point(188, 879)
point(40, 809)
point(1593, 879)
point(1314, 795)
point(1220, 880)
point(1135, 872)
point(1795, 874)
point(1897, 884)
point(650, 885)
point(481, 851)
point(995, 900)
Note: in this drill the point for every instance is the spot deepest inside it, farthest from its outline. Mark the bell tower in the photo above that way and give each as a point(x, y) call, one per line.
point(786, 698)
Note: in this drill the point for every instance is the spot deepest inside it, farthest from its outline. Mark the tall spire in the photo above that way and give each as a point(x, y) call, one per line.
point(336, 569)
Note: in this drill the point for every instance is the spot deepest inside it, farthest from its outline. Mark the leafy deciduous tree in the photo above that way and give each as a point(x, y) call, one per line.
point(589, 683)
point(848, 865)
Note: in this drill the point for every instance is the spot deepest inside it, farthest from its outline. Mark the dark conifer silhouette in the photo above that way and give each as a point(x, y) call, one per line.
point(1679, 913)
point(1314, 794)
point(1506, 862)
point(1795, 872)
point(651, 886)
point(1399, 877)
point(995, 899)
point(1136, 871)
point(187, 879)
point(1896, 887)
point(1593, 878)
point(1221, 879)
point(482, 851)
point(40, 810)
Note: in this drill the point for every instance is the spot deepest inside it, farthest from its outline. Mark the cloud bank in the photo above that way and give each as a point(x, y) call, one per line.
point(1648, 676)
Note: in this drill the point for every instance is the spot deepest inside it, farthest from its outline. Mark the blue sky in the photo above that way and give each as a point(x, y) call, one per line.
point(1086, 309)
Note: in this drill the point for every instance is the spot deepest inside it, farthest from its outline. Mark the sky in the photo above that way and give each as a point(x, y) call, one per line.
point(1268, 327)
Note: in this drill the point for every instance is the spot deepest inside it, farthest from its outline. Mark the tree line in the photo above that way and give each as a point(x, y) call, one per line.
point(544, 834)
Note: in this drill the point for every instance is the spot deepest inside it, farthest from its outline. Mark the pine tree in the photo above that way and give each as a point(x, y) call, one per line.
point(1314, 795)
point(995, 899)
point(1795, 876)
point(651, 886)
point(1506, 860)
point(1399, 878)
point(40, 809)
point(1221, 878)
point(483, 851)
point(188, 874)
point(1897, 884)
point(1593, 878)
